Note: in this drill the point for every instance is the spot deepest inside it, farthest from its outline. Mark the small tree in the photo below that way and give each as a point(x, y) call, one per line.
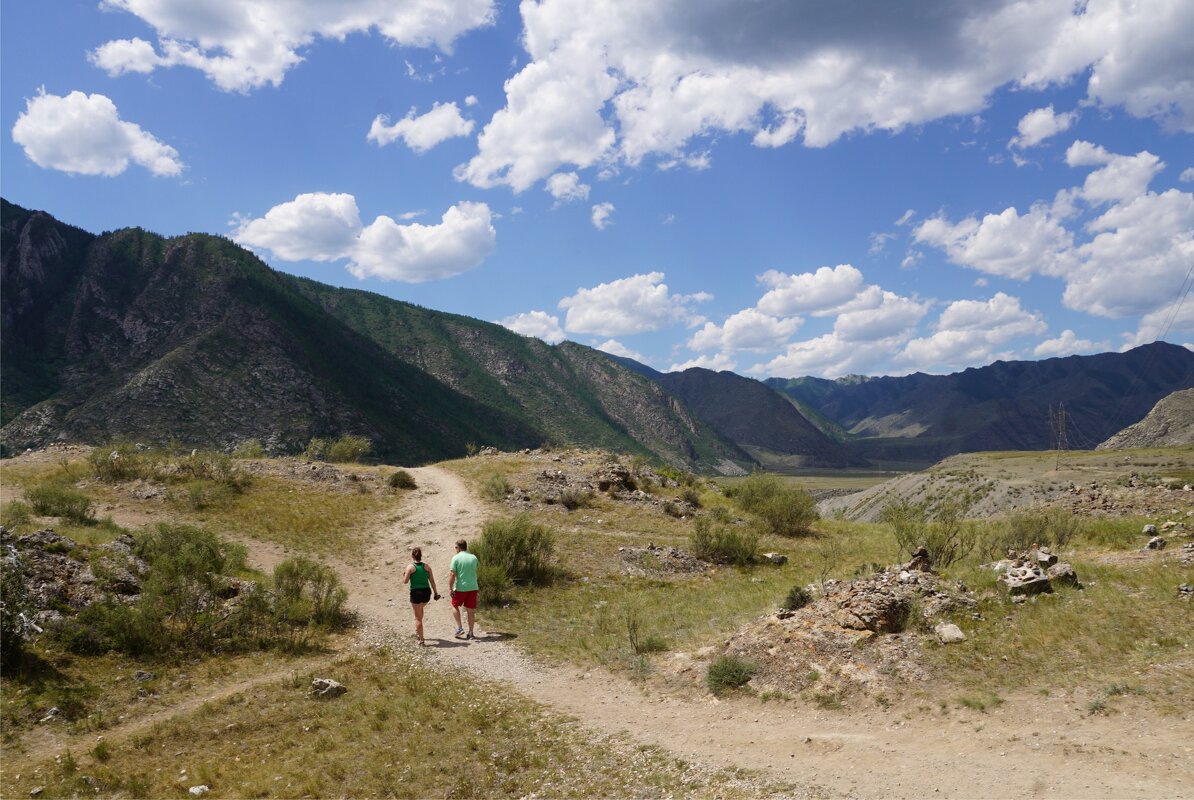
point(786, 510)
point(940, 527)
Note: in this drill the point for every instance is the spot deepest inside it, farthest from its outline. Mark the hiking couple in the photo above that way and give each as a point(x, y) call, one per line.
point(462, 586)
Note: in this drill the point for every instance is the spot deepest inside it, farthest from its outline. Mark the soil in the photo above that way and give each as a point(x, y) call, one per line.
point(1030, 746)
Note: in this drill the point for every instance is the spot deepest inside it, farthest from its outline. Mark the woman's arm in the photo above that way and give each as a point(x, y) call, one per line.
point(431, 580)
point(406, 575)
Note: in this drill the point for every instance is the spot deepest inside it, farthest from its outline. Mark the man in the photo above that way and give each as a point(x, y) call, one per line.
point(462, 586)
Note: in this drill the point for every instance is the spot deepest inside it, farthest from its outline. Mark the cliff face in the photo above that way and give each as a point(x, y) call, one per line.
point(132, 335)
point(1169, 424)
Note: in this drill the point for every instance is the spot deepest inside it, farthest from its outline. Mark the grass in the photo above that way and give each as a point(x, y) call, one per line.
point(403, 729)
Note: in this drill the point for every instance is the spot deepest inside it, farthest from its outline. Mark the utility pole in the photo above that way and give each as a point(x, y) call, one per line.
point(1062, 442)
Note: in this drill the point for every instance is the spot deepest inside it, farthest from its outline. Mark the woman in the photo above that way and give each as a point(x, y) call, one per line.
point(422, 587)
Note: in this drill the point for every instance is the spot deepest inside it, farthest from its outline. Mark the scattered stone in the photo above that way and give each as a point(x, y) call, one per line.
point(51, 715)
point(200, 790)
point(1025, 579)
point(1045, 558)
point(1150, 530)
point(948, 633)
point(1063, 574)
point(1156, 543)
point(326, 687)
point(776, 558)
point(36, 791)
point(1185, 591)
point(141, 676)
point(920, 561)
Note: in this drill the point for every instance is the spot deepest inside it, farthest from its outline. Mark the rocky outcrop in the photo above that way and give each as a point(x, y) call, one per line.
point(1169, 424)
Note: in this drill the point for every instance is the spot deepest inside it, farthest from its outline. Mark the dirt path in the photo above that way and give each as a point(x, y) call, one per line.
point(1030, 746)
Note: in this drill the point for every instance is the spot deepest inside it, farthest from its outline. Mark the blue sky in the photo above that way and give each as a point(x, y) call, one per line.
point(777, 187)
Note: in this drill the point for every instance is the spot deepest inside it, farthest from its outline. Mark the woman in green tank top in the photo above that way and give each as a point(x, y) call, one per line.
point(422, 587)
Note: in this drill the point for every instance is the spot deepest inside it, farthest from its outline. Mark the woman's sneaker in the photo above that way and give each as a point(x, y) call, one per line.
point(459, 633)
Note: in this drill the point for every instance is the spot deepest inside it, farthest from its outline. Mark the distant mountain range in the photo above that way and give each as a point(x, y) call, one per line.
point(192, 338)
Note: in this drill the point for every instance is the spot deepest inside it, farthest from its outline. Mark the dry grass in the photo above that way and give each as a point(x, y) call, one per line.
point(402, 730)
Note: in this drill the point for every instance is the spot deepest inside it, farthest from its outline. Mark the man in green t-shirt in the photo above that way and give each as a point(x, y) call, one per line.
point(462, 586)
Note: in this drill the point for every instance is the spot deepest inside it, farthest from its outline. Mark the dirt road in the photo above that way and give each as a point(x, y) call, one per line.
point(1031, 746)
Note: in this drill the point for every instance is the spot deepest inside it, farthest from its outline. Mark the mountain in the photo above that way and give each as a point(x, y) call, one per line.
point(1169, 424)
point(1008, 405)
point(132, 335)
point(755, 417)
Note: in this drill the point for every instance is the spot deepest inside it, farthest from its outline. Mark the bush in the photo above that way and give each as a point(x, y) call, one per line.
point(307, 593)
point(940, 527)
point(520, 547)
point(798, 597)
point(14, 604)
point(250, 449)
point(402, 480)
point(316, 450)
point(494, 585)
point(723, 544)
point(691, 496)
point(729, 672)
point(120, 461)
point(15, 514)
point(573, 499)
point(59, 500)
point(348, 449)
point(786, 510)
point(495, 487)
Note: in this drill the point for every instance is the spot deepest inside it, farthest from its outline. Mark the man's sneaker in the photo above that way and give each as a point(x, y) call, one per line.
point(470, 635)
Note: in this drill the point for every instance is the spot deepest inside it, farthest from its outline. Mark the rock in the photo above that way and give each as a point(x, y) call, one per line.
point(141, 676)
point(1150, 530)
point(1063, 574)
point(36, 791)
point(51, 715)
point(948, 633)
point(776, 558)
point(200, 790)
point(875, 609)
point(1025, 579)
point(920, 561)
point(326, 687)
point(1185, 591)
point(1045, 558)
point(1155, 543)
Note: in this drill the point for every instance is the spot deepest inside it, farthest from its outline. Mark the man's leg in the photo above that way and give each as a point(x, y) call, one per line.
point(456, 616)
point(472, 618)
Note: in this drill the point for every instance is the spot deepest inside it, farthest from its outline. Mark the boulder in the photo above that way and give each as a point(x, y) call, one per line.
point(920, 561)
point(326, 687)
point(875, 609)
point(1025, 579)
point(948, 633)
point(776, 558)
point(1149, 530)
point(1044, 557)
point(1156, 543)
point(1063, 574)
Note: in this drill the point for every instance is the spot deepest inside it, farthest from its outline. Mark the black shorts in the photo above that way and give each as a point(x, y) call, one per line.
point(420, 596)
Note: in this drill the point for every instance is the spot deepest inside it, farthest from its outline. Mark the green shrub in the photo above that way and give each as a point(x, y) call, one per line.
point(120, 461)
point(518, 545)
point(348, 449)
point(786, 510)
point(493, 585)
point(729, 672)
point(15, 514)
point(308, 593)
point(14, 604)
point(691, 496)
point(573, 499)
point(317, 449)
point(495, 487)
point(798, 597)
point(249, 449)
point(938, 526)
point(59, 500)
point(402, 480)
point(723, 544)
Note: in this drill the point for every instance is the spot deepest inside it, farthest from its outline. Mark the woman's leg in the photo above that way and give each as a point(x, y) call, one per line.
point(418, 609)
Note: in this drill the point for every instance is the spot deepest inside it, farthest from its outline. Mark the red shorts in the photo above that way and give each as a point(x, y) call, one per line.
point(466, 599)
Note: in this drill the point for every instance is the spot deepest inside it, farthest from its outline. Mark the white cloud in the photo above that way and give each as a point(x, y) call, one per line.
point(820, 291)
point(877, 314)
point(539, 324)
point(245, 44)
point(1006, 244)
point(718, 363)
point(747, 330)
point(905, 218)
point(970, 332)
point(1166, 324)
point(1118, 178)
point(327, 227)
point(829, 356)
point(628, 305)
point(566, 187)
point(471, 100)
point(616, 348)
point(84, 134)
point(879, 242)
point(421, 133)
point(1040, 124)
point(1068, 344)
point(601, 214)
point(1187, 175)
point(622, 81)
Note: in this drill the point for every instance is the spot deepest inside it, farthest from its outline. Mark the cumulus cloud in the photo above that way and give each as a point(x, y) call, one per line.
point(820, 291)
point(1067, 344)
point(749, 329)
point(1187, 175)
point(636, 304)
point(84, 134)
point(877, 314)
point(421, 133)
point(327, 227)
point(539, 324)
point(245, 44)
point(829, 356)
point(623, 81)
point(1006, 244)
point(971, 332)
point(718, 363)
point(566, 187)
point(1040, 124)
point(616, 348)
point(601, 215)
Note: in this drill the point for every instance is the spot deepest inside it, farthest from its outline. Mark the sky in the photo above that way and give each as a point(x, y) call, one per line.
point(775, 187)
